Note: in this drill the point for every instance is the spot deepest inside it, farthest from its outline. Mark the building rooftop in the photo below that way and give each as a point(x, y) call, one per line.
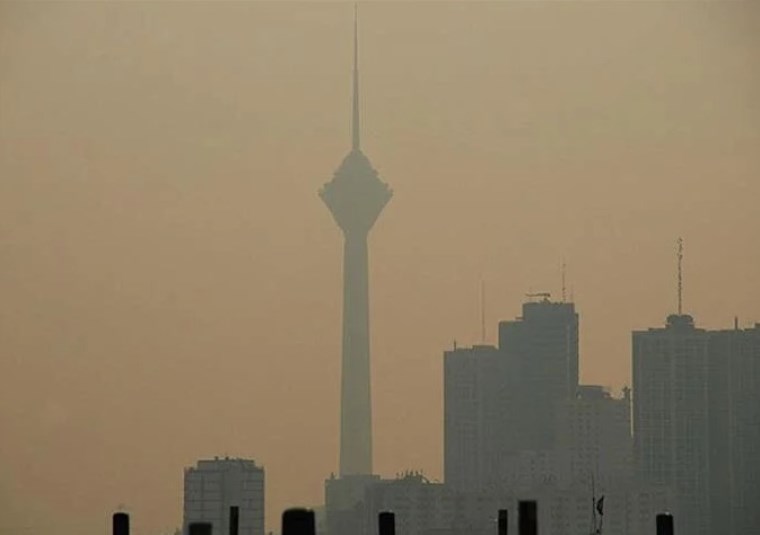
point(227, 463)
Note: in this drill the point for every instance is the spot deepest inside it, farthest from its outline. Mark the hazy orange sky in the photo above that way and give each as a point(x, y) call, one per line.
point(171, 282)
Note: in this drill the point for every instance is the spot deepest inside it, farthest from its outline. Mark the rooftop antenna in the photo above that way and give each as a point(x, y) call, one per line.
point(482, 311)
point(680, 276)
point(564, 269)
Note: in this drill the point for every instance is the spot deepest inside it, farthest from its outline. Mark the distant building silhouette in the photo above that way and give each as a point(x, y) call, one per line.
point(212, 487)
point(475, 382)
point(734, 461)
point(518, 425)
point(425, 507)
point(594, 436)
point(501, 403)
point(541, 348)
point(697, 421)
point(671, 410)
point(421, 507)
point(355, 197)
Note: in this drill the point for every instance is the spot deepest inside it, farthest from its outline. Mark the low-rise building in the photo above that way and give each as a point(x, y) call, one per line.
point(213, 487)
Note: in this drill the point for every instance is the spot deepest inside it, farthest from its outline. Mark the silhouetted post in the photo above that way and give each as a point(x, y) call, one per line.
point(527, 517)
point(200, 528)
point(387, 523)
point(665, 524)
point(298, 522)
point(120, 524)
point(234, 520)
point(503, 517)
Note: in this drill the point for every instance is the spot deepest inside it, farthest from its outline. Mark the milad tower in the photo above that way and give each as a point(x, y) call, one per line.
point(355, 197)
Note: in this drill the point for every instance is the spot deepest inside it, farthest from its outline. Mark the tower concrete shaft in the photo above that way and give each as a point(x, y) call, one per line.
point(355, 197)
point(356, 402)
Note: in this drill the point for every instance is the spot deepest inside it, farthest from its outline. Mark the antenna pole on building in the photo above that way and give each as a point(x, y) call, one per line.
point(564, 269)
point(482, 311)
point(680, 276)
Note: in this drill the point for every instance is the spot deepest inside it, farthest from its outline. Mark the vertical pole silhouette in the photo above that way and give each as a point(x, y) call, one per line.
point(234, 520)
point(665, 524)
point(503, 518)
point(680, 276)
point(298, 522)
point(200, 528)
point(527, 517)
point(120, 524)
point(386, 523)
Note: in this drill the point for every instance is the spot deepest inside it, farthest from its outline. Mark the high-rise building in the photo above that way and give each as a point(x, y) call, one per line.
point(541, 349)
point(671, 416)
point(594, 436)
point(501, 405)
point(214, 486)
point(474, 386)
point(518, 425)
point(355, 197)
point(734, 389)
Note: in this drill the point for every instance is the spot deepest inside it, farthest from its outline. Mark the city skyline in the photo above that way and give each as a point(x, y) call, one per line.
point(167, 268)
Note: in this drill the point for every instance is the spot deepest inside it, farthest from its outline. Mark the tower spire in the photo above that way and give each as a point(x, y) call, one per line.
point(355, 112)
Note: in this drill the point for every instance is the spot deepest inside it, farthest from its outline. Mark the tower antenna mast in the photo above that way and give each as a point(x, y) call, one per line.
point(355, 126)
point(680, 276)
point(564, 269)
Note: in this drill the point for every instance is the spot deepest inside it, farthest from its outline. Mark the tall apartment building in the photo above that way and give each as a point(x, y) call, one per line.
point(212, 487)
point(697, 422)
point(594, 436)
point(518, 426)
point(541, 349)
point(735, 430)
point(475, 416)
point(671, 412)
point(500, 403)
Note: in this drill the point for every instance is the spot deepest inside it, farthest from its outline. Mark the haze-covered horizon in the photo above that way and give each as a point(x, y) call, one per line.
point(171, 281)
